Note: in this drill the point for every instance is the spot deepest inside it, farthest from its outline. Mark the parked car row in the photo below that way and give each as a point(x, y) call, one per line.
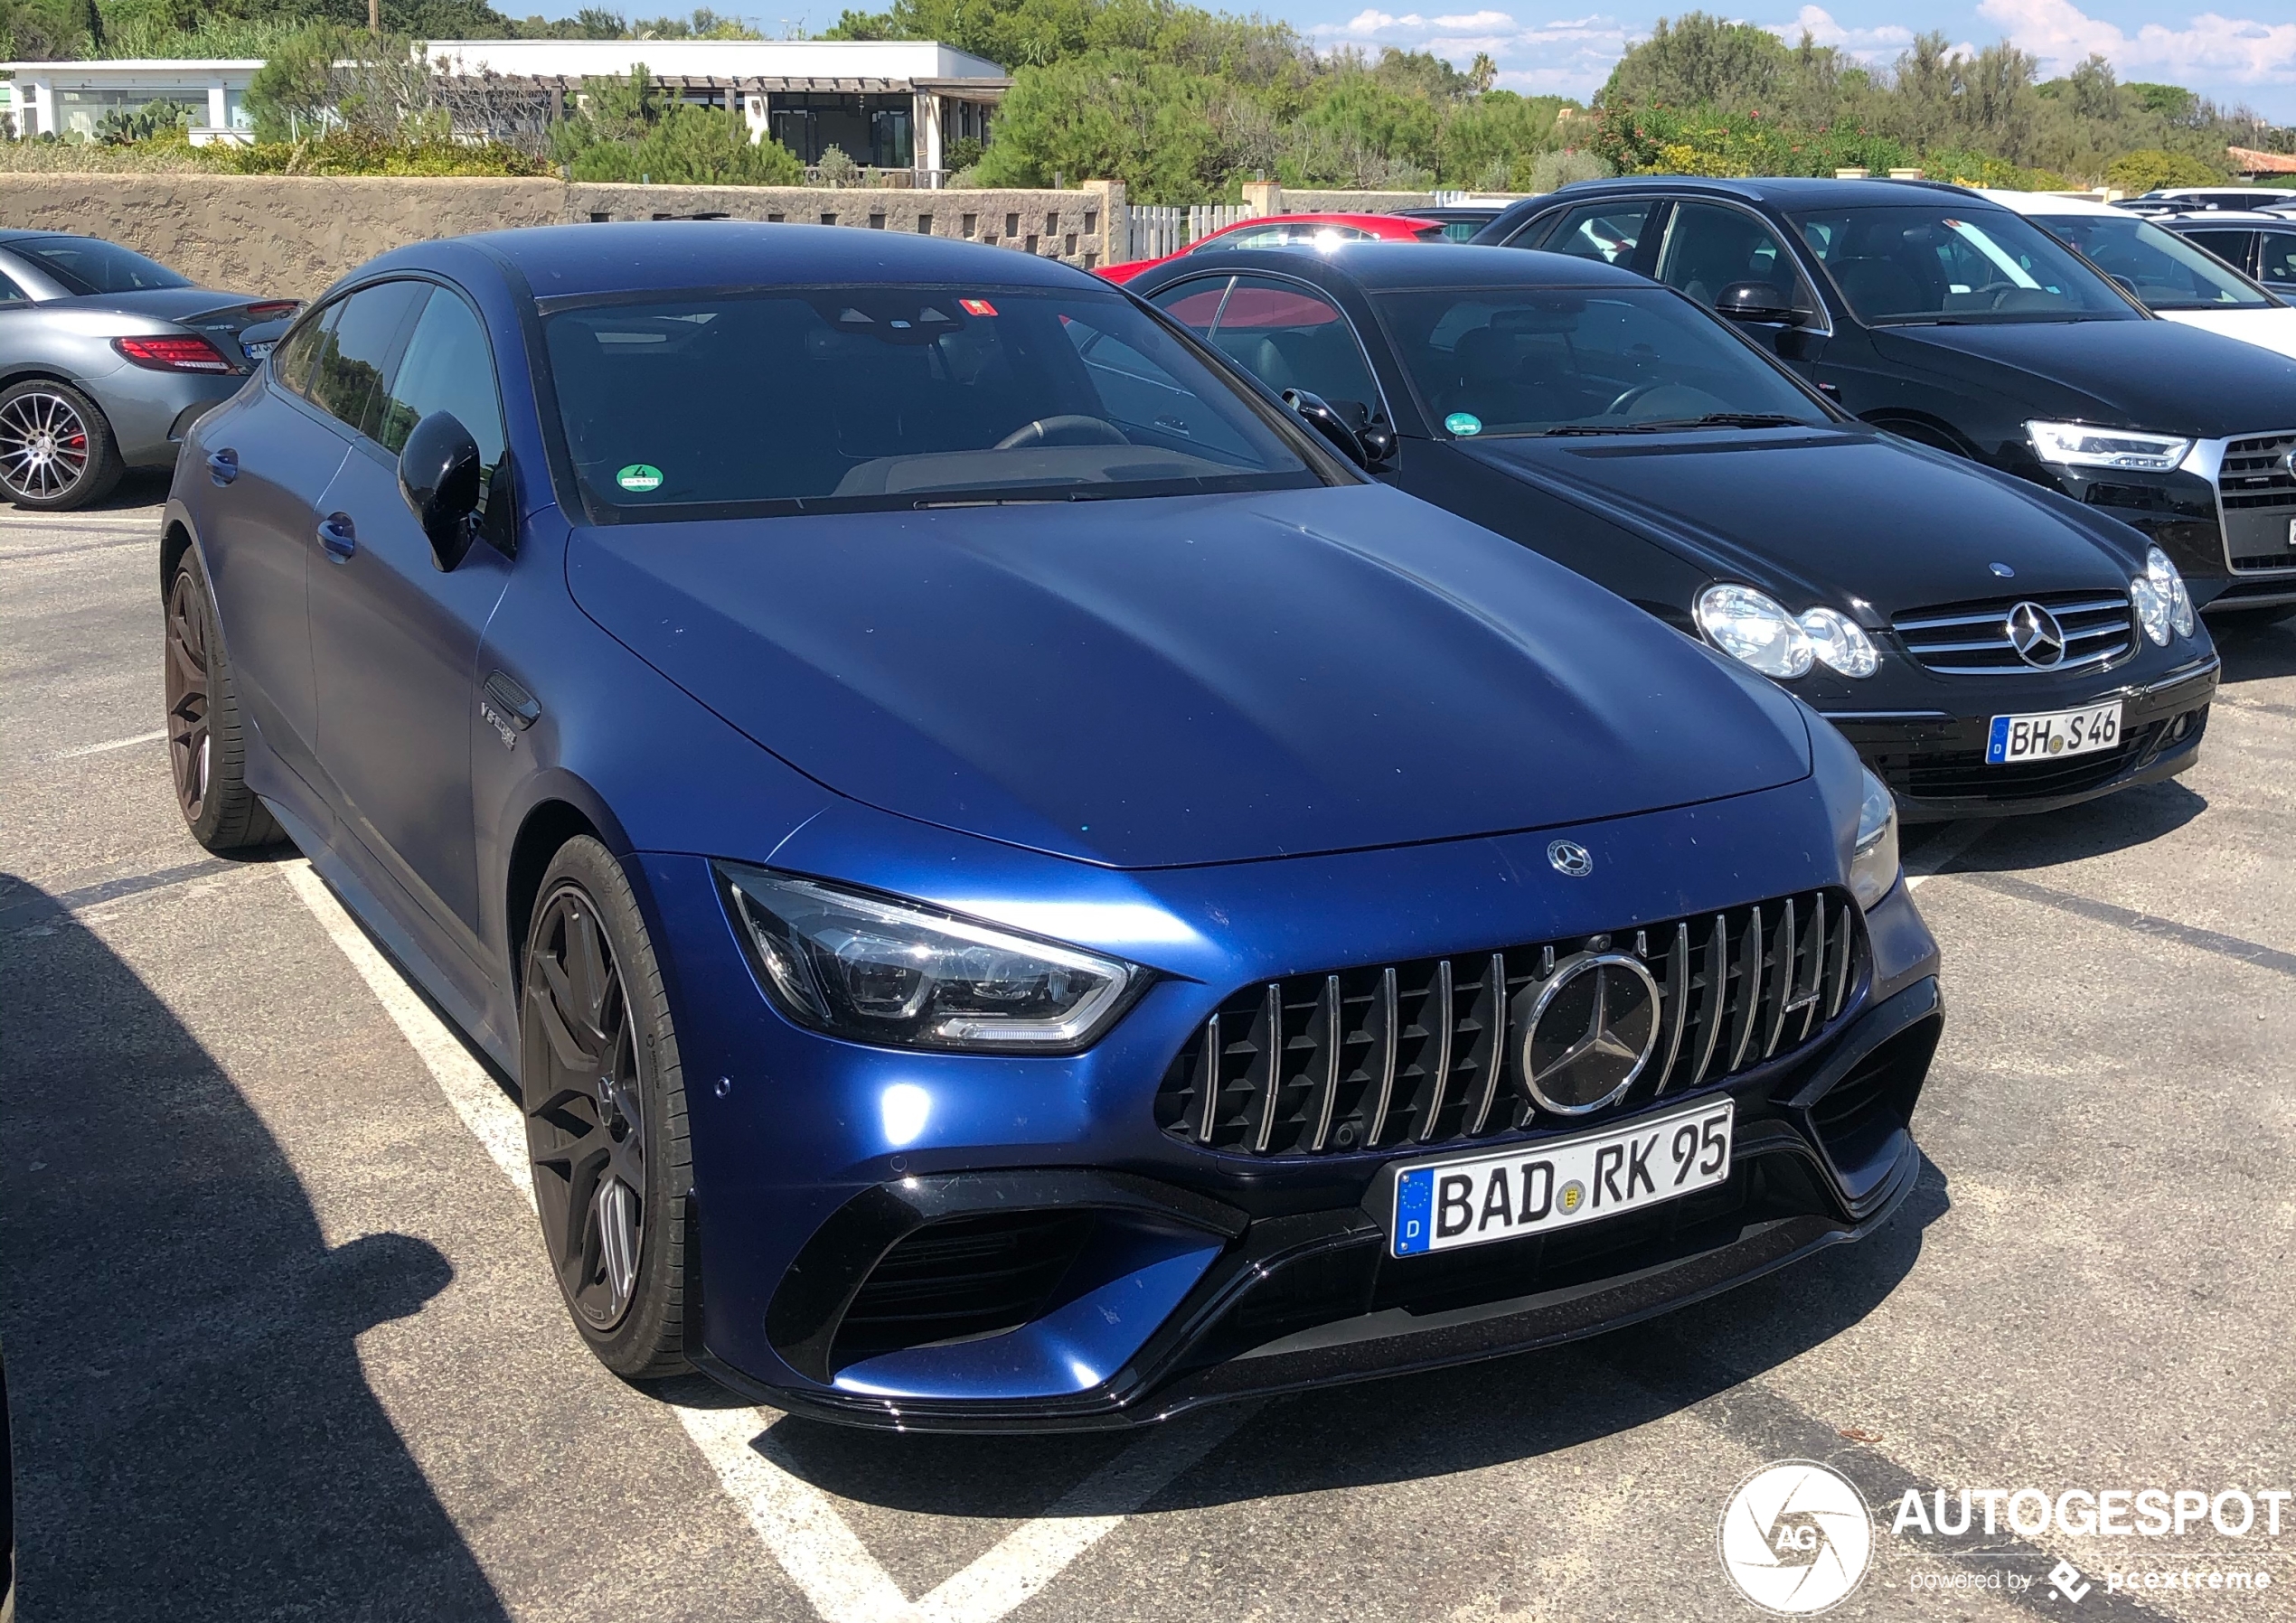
point(1042, 854)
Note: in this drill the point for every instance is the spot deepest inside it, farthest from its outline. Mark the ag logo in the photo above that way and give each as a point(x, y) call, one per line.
point(1796, 1537)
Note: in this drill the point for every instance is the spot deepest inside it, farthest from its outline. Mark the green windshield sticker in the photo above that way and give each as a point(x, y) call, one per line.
point(1463, 422)
point(640, 476)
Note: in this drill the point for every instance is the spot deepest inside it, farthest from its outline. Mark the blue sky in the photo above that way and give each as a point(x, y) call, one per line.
point(2245, 53)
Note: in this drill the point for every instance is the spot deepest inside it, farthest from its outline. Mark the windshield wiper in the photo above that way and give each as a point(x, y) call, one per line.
point(1712, 419)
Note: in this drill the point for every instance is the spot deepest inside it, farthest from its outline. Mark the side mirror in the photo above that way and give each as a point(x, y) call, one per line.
point(1367, 447)
point(1758, 301)
point(440, 474)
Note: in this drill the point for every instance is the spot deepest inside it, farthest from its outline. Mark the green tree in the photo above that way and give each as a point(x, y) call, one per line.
point(1698, 61)
point(49, 30)
point(631, 129)
point(1114, 114)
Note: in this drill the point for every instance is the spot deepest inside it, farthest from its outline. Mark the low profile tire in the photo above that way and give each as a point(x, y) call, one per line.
point(605, 1123)
point(206, 734)
point(56, 448)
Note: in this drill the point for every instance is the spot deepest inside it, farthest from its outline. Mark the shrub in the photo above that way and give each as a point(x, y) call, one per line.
point(631, 130)
point(1547, 171)
point(2151, 168)
point(837, 168)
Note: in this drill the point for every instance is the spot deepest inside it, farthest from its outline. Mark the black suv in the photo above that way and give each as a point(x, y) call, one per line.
point(1933, 312)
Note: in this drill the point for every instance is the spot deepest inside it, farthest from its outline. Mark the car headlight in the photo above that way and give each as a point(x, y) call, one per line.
point(1839, 641)
point(1873, 862)
point(877, 971)
point(2168, 586)
point(2078, 446)
point(1754, 627)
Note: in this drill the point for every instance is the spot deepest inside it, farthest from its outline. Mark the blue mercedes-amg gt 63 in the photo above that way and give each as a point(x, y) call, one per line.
point(1016, 888)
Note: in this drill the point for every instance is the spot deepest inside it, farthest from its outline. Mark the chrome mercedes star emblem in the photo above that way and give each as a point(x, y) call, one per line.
point(1571, 857)
point(2036, 635)
point(1587, 1033)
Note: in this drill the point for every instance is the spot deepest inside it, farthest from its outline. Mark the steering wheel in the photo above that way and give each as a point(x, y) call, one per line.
point(1069, 428)
point(1630, 395)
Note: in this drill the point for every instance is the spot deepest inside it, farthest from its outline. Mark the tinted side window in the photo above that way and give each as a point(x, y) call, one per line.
point(447, 367)
point(2231, 246)
point(1289, 337)
point(1608, 231)
point(354, 353)
point(1708, 247)
point(1195, 303)
point(291, 361)
point(10, 293)
point(2278, 261)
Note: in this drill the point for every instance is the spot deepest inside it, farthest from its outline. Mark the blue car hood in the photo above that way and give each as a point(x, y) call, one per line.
point(1190, 680)
point(1825, 515)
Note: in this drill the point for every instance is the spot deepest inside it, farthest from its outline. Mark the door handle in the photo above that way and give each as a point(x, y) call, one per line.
point(335, 535)
point(224, 465)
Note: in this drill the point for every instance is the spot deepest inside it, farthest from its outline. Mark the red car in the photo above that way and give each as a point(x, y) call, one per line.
point(1295, 231)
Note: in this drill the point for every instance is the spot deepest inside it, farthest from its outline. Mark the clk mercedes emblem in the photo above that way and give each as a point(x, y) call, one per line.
point(2036, 635)
point(1571, 857)
point(1587, 1032)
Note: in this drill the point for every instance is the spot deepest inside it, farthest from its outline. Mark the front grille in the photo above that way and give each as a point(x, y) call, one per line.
point(961, 1276)
point(1971, 639)
point(2256, 498)
point(1418, 1053)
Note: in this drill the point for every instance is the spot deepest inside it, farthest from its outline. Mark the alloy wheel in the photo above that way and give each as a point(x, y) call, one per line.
point(190, 745)
point(43, 445)
point(585, 1114)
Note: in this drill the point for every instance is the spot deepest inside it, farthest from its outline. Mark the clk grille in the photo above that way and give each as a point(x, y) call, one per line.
point(1419, 1053)
point(1973, 639)
point(2257, 495)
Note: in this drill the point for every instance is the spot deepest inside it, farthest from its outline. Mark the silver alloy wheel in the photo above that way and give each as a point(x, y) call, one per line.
point(43, 445)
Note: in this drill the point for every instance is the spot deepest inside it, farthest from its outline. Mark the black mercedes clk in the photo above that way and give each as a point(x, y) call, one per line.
point(1991, 646)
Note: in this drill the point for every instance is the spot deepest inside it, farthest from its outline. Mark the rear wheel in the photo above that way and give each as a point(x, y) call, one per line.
point(56, 450)
point(206, 739)
point(604, 1103)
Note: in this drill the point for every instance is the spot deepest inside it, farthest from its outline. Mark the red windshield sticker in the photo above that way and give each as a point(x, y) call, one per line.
point(976, 307)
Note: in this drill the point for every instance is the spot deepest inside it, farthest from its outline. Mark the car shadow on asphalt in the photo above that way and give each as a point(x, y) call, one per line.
point(2255, 650)
point(195, 1437)
point(1405, 1427)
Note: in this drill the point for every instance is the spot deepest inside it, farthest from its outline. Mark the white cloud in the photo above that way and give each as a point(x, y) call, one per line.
point(1866, 44)
point(2208, 48)
point(1565, 56)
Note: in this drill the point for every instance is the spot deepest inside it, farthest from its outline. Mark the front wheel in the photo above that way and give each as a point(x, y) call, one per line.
point(206, 734)
point(56, 450)
point(605, 1104)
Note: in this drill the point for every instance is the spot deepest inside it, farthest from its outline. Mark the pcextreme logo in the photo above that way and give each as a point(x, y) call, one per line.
point(1796, 1538)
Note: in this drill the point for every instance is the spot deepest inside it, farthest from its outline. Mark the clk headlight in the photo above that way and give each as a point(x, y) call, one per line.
point(1839, 641)
point(1754, 628)
point(877, 971)
point(2078, 446)
point(1873, 863)
point(2168, 589)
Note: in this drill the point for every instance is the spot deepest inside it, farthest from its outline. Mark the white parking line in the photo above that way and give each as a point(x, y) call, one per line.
point(108, 744)
point(798, 1522)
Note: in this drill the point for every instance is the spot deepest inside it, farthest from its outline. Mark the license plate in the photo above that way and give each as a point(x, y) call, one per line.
point(2059, 733)
point(259, 349)
point(1474, 1200)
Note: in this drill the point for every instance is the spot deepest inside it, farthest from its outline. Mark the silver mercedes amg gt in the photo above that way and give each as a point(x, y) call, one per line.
point(106, 358)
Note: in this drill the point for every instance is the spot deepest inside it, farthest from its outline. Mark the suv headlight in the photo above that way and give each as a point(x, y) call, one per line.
point(2078, 446)
point(1873, 863)
point(879, 970)
point(2162, 602)
point(1755, 628)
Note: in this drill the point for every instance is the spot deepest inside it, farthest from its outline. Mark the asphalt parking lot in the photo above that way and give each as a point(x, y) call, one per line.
point(281, 1342)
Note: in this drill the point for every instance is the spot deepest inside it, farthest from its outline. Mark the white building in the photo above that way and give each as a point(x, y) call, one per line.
point(890, 104)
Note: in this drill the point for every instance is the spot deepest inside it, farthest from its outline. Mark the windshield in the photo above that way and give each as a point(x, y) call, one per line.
point(1945, 263)
point(2159, 267)
point(84, 265)
point(829, 399)
point(1495, 361)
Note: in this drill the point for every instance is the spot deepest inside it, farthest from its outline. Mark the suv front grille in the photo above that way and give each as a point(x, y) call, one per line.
point(2256, 496)
point(1418, 1053)
point(1971, 639)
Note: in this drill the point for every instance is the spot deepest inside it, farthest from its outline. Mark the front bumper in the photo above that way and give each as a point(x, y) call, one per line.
point(1174, 1274)
point(1933, 761)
